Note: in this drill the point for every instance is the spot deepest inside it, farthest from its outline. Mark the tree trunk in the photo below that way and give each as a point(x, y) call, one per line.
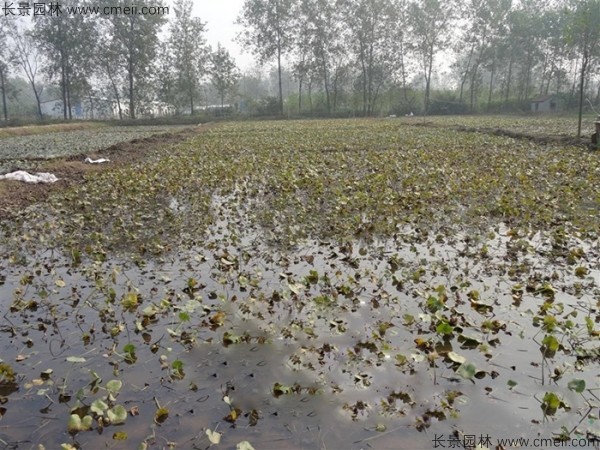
point(473, 88)
point(300, 95)
point(326, 84)
point(68, 84)
point(492, 70)
point(130, 77)
point(508, 80)
point(279, 76)
point(116, 90)
point(584, 64)
point(63, 86)
point(575, 78)
point(428, 81)
point(364, 71)
point(191, 93)
point(403, 70)
point(37, 99)
point(3, 87)
point(91, 104)
point(464, 77)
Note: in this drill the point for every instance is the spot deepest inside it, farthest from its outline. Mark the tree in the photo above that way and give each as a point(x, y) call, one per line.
point(223, 72)
point(68, 44)
point(583, 34)
point(430, 21)
point(320, 42)
point(5, 62)
point(374, 35)
point(267, 31)
point(135, 36)
point(108, 62)
point(187, 50)
point(28, 57)
point(485, 22)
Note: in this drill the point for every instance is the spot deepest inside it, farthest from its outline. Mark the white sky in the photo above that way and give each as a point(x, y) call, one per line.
point(220, 16)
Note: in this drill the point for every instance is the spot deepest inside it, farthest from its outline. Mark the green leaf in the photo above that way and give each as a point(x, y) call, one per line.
point(117, 414)
point(444, 328)
point(77, 424)
point(114, 386)
point(120, 436)
point(511, 383)
point(550, 343)
point(130, 301)
point(577, 385)
point(551, 401)
point(98, 407)
point(467, 370)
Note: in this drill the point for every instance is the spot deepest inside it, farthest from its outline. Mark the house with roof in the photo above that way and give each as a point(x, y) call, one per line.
point(544, 104)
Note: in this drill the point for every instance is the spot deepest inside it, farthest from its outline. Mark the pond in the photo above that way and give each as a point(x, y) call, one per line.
point(125, 326)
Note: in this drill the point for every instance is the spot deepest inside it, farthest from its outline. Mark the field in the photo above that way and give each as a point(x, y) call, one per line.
point(309, 284)
point(30, 148)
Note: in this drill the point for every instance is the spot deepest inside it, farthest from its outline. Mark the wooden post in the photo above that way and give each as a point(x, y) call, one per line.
point(596, 135)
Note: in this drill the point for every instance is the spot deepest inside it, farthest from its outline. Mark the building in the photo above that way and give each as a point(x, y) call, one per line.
point(89, 109)
point(544, 104)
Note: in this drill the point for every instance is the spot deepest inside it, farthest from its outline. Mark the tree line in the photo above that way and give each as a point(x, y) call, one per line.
point(127, 58)
point(361, 57)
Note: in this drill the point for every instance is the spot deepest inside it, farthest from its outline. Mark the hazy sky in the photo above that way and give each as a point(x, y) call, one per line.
point(220, 16)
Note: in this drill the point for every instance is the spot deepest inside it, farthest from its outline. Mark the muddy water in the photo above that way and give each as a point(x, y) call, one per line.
point(321, 346)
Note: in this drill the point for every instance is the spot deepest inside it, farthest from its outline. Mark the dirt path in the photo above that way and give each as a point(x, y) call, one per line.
point(16, 195)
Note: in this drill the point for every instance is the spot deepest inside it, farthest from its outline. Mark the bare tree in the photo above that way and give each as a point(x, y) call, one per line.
point(29, 57)
point(267, 31)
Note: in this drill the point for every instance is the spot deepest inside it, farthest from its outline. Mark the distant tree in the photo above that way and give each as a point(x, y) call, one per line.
point(223, 72)
point(28, 57)
point(68, 43)
point(135, 36)
point(267, 31)
point(188, 52)
point(5, 63)
point(583, 34)
point(108, 61)
point(320, 42)
point(372, 32)
point(485, 23)
point(430, 21)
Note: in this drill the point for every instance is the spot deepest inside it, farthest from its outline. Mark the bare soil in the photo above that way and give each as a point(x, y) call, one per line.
point(16, 195)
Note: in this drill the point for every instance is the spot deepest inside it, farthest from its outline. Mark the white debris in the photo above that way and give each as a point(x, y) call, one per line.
point(96, 161)
point(21, 175)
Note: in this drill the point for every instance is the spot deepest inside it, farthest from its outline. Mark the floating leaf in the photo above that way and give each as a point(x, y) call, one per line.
point(99, 407)
point(75, 359)
point(130, 301)
point(467, 370)
point(213, 436)
point(455, 357)
point(244, 445)
point(77, 424)
point(120, 436)
point(161, 415)
point(577, 386)
point(117, 414)
point(551, 403)
point(114, 386)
